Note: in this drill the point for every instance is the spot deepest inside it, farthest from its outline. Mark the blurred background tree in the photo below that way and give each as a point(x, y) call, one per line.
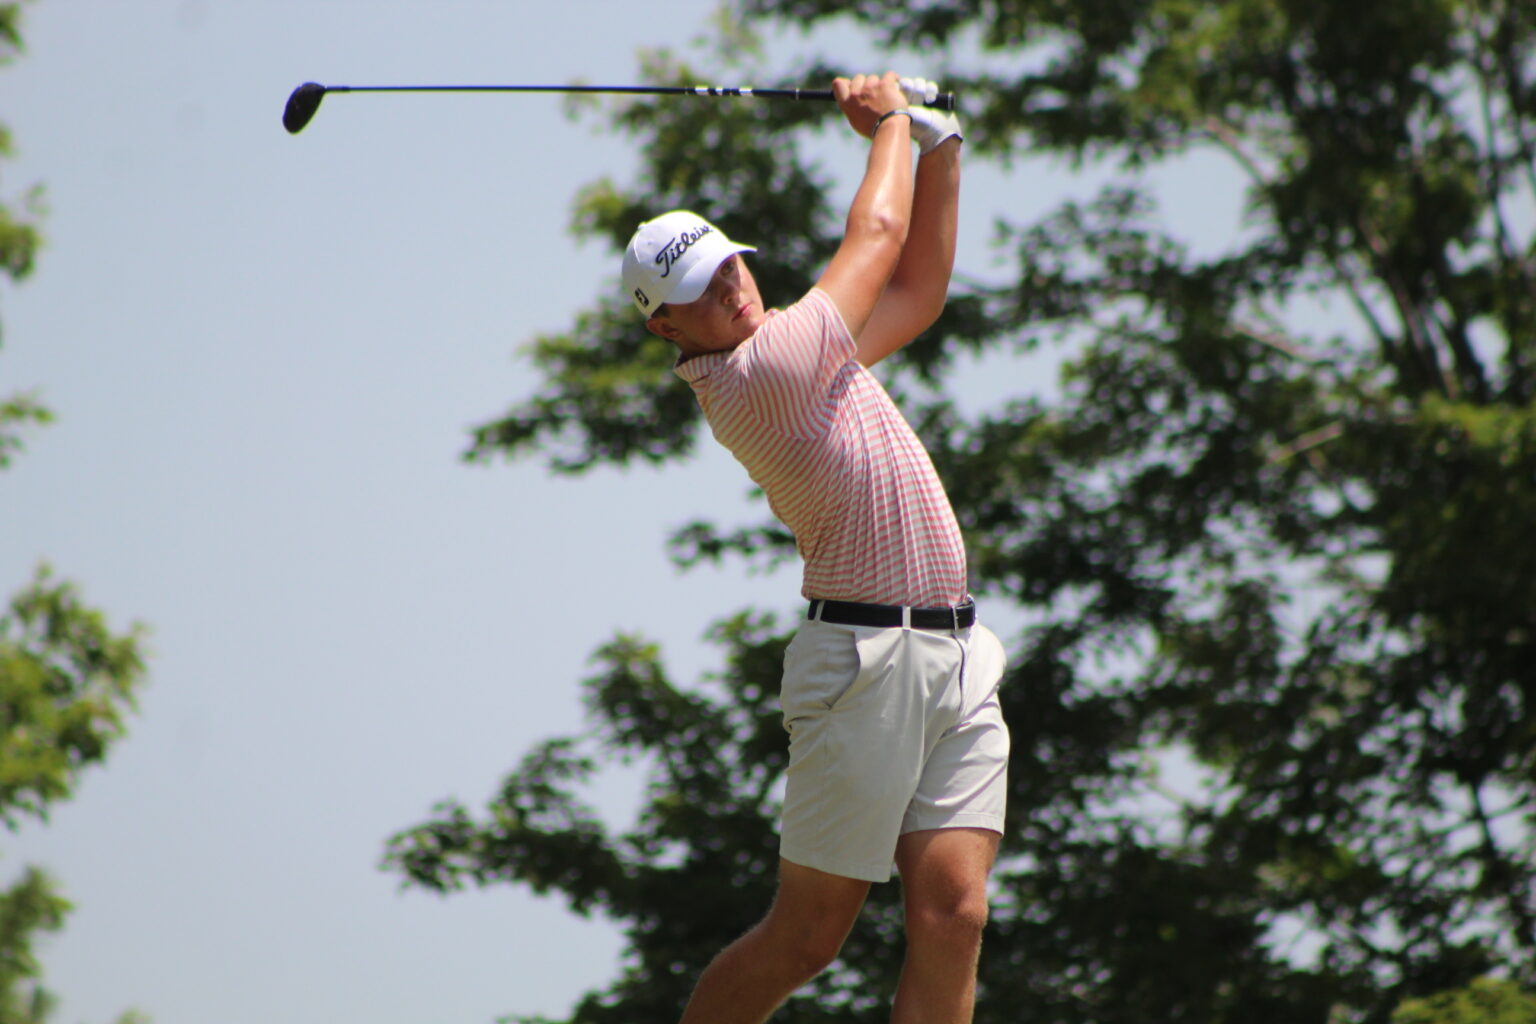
point(1483, 1002)
point(1270, 534)
point(67, 681)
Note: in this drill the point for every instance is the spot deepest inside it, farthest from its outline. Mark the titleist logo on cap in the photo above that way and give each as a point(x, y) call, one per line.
point(673, 250)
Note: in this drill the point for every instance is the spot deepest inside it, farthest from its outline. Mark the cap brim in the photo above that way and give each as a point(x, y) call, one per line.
point(702, 272)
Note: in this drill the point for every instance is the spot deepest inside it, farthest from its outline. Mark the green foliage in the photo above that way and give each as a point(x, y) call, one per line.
point(10, 31)
point(67, 680)
point(1274, 741)
point(16, 413)
point(1485, 1001)
point(19, 237)
point(29, 907)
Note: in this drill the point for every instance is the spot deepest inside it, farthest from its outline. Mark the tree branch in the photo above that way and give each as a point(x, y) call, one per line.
point(1503, 874)
point(1419, 344)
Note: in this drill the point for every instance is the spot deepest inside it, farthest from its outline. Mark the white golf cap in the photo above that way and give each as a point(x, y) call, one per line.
point(673, 258)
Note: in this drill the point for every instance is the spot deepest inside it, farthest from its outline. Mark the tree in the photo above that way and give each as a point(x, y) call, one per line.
point(67, 680)
point(1483, 1002)
point(1274, 742)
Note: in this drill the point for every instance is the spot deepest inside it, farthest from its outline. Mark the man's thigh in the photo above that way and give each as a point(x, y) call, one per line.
point(946, 868)
point(964, 783)
point(815, 906)
point(860, 704)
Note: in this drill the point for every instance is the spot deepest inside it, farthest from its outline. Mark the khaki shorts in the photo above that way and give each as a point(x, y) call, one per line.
point(890, 731)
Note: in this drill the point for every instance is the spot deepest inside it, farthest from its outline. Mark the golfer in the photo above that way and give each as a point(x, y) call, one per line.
point(897, 749)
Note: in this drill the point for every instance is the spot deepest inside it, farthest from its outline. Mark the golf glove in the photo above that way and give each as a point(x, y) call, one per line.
point(930, 125)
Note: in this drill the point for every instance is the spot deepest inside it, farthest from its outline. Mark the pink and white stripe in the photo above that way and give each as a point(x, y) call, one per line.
point(838, 462)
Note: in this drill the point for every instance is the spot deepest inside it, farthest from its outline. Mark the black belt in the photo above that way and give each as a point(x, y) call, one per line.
point(849, 613)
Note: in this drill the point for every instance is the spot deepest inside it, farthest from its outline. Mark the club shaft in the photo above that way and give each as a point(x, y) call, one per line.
point(945, 101)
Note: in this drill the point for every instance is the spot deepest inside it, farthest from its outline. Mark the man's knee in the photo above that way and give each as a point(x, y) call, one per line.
point(803, 947)
point(958, 918)
point(817, 949)
point(944, 873)
point(811, 917)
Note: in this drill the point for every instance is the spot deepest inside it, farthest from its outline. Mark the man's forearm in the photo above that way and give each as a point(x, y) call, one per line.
point(928, 258)
point(882, 206)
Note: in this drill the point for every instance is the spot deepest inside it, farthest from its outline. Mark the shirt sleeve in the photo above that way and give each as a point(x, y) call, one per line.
point(792, 368)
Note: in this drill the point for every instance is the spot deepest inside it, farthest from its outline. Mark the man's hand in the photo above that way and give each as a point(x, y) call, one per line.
point(930, 125)
point(864, 98)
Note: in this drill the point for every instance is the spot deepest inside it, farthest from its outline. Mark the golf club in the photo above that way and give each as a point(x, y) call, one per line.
point(305, 100)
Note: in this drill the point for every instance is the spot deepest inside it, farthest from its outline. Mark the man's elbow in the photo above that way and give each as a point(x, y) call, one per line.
point(881, 230)
point(922, 305)
point(893, 224)
point(935, 309)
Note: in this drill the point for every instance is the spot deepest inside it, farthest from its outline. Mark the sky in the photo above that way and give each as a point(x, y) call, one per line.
point(265, 353)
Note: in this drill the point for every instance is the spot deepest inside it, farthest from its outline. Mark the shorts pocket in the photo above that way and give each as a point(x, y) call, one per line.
point(821, 667)
point(877, 653)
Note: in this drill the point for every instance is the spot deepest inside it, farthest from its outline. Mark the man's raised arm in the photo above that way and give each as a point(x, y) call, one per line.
point(919, 286)
point(879, 218)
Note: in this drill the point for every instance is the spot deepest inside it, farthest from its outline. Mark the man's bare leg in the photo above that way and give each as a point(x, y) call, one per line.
point(944, 887)
point(803, 932)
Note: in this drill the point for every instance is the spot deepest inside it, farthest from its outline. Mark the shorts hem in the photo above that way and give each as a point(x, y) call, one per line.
point(864, 871)
point(963, 819)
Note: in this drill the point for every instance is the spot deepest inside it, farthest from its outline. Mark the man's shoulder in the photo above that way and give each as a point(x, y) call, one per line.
point(812, 319)
point(808, 332)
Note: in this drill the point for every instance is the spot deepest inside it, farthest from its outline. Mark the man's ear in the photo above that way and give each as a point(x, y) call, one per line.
point(664, 328)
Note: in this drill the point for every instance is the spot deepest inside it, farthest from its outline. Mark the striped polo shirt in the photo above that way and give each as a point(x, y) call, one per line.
point(839, 464)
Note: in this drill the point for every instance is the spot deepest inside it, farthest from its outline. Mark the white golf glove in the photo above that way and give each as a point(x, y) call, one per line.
point(930, 125)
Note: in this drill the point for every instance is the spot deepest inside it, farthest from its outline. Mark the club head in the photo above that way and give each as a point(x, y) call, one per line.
point(302, 106)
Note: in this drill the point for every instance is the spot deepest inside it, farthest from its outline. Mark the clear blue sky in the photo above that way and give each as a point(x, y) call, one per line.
point(265, 352)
